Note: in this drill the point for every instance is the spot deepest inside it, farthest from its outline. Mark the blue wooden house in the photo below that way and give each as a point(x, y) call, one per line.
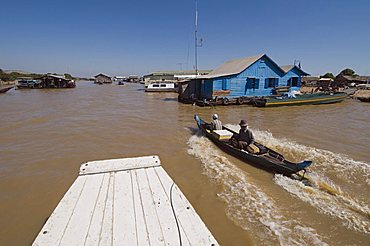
point(245, 77)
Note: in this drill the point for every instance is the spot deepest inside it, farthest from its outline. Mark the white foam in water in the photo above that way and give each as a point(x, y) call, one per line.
point(343, 166)
point(352, 214)
point(247, 204)
point(325, 195)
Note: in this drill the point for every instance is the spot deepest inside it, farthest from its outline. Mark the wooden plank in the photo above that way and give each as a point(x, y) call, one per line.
point(77, 228)
point(140, 223)
point(194, 228)
point(148, 207)
point(124, 232)
point(115, 165)
point(53, 230)
point(95, 228)
point(166, 216)
point(124, 207)
point(107, 223)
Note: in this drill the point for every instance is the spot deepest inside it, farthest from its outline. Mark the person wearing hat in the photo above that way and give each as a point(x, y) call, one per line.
point(215, 123)
point(244, 139)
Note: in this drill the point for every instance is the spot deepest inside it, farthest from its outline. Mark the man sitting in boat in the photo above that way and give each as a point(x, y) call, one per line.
point(245, 139)
point(215, 123)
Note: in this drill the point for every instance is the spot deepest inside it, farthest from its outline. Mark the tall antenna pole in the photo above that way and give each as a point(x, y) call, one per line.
point(196, 38)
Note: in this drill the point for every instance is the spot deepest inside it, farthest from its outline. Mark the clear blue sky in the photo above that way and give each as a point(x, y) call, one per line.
point(136, 37)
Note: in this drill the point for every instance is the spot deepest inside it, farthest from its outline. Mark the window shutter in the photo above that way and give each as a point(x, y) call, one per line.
point(266, 83)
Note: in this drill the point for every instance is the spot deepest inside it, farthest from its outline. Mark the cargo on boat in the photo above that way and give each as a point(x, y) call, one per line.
point(264, 157)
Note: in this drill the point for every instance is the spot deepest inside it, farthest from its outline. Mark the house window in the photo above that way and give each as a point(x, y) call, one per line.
point(224, 84)
point(271, 82)
point(294, 81)
point(252, 83)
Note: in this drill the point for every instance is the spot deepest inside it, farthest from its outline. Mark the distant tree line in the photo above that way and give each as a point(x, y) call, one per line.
point(345, 72)
point(4, 76)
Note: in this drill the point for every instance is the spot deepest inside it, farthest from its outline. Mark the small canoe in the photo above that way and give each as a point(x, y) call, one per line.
point(364, 99)
point(266, 158)
point(5, 89)
point(304, 99)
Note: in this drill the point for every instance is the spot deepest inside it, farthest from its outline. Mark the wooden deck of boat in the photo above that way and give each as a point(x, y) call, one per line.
point(129, 201)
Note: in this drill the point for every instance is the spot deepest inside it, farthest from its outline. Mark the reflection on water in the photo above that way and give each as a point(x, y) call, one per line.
point(46, 134)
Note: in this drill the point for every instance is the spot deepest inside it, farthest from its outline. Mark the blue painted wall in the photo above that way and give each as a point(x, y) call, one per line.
point(259, 79)
point(287, 81)
point(252, 81)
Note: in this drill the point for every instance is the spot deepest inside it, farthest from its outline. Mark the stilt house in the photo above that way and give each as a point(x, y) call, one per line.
point(246, 77)
point(102, 79)
point(55, 81)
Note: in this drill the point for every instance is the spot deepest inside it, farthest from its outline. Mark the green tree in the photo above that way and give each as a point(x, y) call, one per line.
point(348, 72)
point(328, 75)
point(68, 76)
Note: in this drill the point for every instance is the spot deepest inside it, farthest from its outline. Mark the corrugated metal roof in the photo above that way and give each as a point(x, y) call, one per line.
point(102, 75)
point(233, 67)
point(287, 68)
point(179, 72)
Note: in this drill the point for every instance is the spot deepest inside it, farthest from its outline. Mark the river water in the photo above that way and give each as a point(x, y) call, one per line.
point(46, 134)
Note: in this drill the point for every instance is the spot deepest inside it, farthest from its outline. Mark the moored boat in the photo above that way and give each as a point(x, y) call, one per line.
point(265, 158)
point(5, 89)
point(28, 83)
point(304, 99)
point(161, 87)
point(364, 99)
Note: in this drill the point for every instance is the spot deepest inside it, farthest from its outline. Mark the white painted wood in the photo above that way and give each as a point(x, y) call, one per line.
point(124, 231)
point(107, 223)
point(53, 230)
point(148, 207)
point(110, 204)
point(162, 205)
point(78, 225)
point(115, 165)
point(141, 228)
point(193, 226)
point(93, 236)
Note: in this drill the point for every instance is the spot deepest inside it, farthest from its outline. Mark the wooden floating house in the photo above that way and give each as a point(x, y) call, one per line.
point(129, 201)
point(46, 81)
point(239, 80)
point(102, 79)
point(56, 81)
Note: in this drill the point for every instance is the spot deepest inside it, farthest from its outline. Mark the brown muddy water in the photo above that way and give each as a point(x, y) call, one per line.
point(46, 134)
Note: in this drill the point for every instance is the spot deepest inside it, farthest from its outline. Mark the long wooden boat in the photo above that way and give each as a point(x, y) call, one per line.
point(266, 159)
point(304, 99)
point(5, 89)
point(364, 99)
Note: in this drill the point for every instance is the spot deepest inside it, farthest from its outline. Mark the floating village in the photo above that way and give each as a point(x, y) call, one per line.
point(256, 81)
point(134, 201)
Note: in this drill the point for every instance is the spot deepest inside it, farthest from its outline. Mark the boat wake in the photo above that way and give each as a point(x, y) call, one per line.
point(323, 193)
point(329, 200)
point(339, 165)
point(247, 204)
